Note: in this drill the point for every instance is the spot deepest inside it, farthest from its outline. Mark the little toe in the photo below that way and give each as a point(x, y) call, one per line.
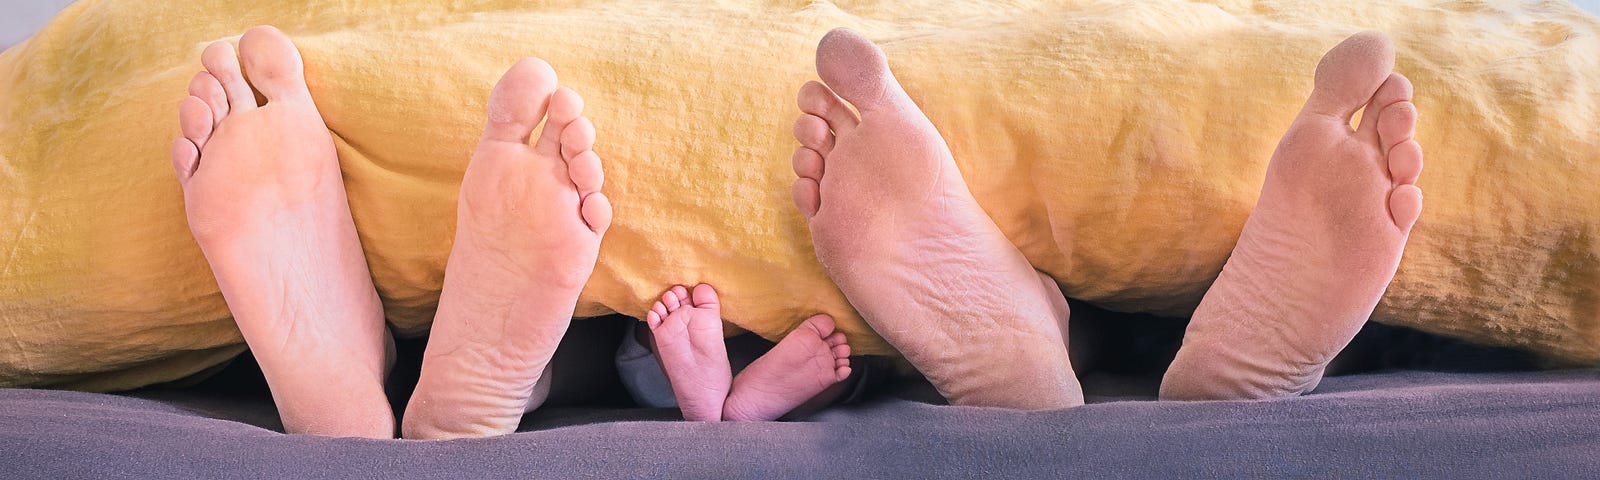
point(195, 121)
point(842, 372)
point(1395, 89)
point(1405, 206)
point(652, 319)
point(816, 99)
point(807, 197)
point(857, 70)
point(1349, 74)
point(185, 157)
point(596, 211)
point(659, 309)
point(274, 63)
point(565, 107)
point(223, 64)
point(517, 103)
point(704, 296)
point(205, 87)
point(813, 133)
point(1405, 162)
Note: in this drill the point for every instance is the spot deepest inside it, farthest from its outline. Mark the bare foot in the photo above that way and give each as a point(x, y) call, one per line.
point(528, 229)
point(1323, 242)
point(688, 336)
point(807, 361)
point(266, 203)
point(896, 228)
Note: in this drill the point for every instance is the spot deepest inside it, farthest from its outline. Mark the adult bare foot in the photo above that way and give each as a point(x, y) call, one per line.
point(1323, 242)
point(688, 337)
point(807, 361)
point(896, 228)
point(266, 203)
point(528, 229)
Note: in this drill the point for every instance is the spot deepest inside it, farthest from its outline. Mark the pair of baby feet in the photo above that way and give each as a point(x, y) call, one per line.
point(687, 330)
point(266, 203)
point(895, 226)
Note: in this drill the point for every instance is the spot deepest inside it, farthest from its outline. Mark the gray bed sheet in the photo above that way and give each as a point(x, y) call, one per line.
point(1393, 413)
point(1396, 424)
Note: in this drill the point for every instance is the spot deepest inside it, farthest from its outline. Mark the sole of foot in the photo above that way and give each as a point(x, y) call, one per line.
point(266, 202)
point(807, 361)
point(895, 226)
point(1323, 242)
point(687, 328)
point(529, 223)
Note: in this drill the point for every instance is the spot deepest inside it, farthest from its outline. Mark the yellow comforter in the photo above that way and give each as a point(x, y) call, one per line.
point(1119, 144)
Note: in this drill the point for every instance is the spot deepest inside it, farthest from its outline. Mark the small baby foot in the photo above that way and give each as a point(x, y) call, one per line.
point(688, 336)
point(807, 361)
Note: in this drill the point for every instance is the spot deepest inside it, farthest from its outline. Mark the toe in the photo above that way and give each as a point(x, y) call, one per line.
point(517, 103)
point(1395, 89)
point(659, 310)
point(813, 133)
point(683, 295)
point(185, 157)
point(1349, 75)
point(1397, 123)
point(577, 138)
point(807, 163)
point(820, 325)
point(1405, 206)
point(586, 172)
point(842, 372)
point(1405, 162)
point(841, 352)
point(671, 300)
point(858, 71)
point(704, 296)
point(273, 63)
point(652, 318)
point(220, 60)
point(565, 107)
point(817, 99)
point(205, 87)
point(195, 120)
point(835, 339)
point(807, 197)
point(596, 211)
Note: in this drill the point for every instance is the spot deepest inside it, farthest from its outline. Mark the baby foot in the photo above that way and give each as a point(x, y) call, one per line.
point(528, 230)
point(807, 361)
point(266, 203)
point(1324, 240)
point(688, 336)
point(895, 227)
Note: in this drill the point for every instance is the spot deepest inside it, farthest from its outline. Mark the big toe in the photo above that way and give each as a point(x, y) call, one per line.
point(1350, 73)
point(273, 63)
point(518, 102)
point(857, 70)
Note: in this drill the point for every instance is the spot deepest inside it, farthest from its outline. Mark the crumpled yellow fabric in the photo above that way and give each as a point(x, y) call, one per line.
point(1119, 144)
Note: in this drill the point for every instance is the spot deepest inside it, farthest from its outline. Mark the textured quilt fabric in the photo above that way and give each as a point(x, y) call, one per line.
point(1119, 144)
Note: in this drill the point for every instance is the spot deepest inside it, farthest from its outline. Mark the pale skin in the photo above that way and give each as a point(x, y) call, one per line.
point(892, 220)
point(895, 226)
point(687, 330)
point(266, 203)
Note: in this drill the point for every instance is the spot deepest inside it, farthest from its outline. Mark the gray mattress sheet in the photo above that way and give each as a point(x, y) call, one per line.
point(1392, 414)
point(1395, 424)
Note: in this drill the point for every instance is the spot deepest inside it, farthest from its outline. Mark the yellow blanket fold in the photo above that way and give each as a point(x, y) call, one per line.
point(1119, 144)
